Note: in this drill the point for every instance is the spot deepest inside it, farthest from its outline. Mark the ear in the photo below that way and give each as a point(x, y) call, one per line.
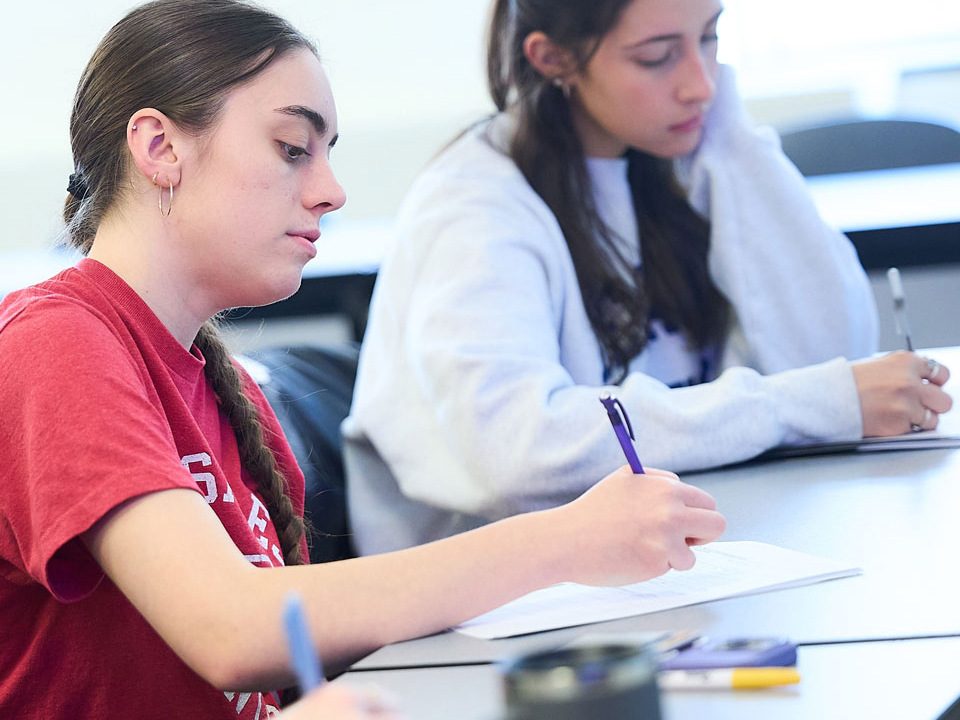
point(154, 140)
point(552, 61)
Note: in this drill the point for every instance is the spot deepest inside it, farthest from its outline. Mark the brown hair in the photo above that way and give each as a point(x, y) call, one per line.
point(546, 148)
point(181, 57)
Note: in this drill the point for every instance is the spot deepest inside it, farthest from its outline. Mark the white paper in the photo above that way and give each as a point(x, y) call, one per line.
point(723, 569)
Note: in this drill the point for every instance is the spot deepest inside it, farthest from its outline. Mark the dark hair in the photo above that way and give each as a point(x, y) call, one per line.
point(674, 281)
point(181, 57)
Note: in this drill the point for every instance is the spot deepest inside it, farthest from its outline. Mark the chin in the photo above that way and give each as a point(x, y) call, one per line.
point(270, 293)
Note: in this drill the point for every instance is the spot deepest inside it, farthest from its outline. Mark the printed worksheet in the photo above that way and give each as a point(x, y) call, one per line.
point(723, 569)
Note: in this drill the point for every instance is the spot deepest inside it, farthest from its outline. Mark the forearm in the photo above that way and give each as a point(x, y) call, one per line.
point(170, 556)
point(359, 605)
point(356, 606)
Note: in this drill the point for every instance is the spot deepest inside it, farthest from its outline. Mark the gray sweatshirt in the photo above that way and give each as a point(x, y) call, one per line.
point(477, 392)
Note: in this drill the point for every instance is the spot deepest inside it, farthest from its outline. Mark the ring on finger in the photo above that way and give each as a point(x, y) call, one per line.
point(917, 427)
point(933, 368)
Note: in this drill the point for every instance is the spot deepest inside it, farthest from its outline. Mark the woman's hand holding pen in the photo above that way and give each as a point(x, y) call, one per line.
point(628, 528)
point(900, 392)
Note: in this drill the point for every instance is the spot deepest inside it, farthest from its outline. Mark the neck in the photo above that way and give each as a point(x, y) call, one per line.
point(142, 251)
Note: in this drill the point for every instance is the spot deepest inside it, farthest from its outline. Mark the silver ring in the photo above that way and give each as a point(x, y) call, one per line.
point(927, 414)
point(933, 367)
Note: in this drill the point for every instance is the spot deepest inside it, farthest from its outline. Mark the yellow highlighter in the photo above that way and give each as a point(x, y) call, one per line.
point(748, 678)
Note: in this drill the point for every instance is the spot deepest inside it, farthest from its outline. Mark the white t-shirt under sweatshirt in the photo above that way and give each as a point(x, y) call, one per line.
point(477, 391)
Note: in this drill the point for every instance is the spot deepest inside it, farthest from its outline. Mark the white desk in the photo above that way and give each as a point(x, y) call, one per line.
point(895, 680)
point(896, 198)
point(894, 514)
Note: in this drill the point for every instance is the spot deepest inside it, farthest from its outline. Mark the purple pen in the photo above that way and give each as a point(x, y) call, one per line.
point(618, 416)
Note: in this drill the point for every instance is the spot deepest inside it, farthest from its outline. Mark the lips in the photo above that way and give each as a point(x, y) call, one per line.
point(694, 123)
point(307, 239)
point(310, 235)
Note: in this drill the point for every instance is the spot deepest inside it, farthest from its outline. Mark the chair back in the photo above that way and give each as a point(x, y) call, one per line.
point(310, 389)
point(860, 145)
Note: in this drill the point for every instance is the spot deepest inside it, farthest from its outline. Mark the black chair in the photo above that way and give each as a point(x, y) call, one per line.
point(310, 388)
point(855, 145)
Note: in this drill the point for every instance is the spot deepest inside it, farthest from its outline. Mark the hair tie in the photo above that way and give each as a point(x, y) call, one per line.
point(77, 186)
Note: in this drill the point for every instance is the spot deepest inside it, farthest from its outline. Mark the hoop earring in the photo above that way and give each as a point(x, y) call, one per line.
point(562, 85)
point(160, 197)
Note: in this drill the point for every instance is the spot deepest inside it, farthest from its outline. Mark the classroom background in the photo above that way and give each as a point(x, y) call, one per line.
point(409, 76)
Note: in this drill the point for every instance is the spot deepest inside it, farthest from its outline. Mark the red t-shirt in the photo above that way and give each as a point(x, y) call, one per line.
point(100, 404)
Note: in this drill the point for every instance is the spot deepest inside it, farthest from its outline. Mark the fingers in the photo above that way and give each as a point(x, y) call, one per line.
point(900, 392)
point(695, 497)
point(932, 371)
point(935, 399)
point(704, 526)
point(661, 473)
point(682, 558)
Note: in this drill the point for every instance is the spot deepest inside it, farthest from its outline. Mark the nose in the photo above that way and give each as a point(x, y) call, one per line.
point(323, 194)
point(697, 82)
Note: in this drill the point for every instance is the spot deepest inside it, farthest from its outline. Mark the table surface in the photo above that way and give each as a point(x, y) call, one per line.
point(899, 680)
point(899, 197)
point(891, 513)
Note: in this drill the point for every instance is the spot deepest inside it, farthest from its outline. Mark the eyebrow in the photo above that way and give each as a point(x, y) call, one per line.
point(315, 118)
point(673, 36)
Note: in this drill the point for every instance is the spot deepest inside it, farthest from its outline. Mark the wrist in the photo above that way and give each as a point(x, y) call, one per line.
point(540, 536)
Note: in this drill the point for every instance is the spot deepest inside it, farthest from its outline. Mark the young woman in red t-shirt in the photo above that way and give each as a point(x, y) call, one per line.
point(144, 597)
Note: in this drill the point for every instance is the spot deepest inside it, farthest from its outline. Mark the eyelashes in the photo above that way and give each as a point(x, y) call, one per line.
point(292, 153)
point(672, 53)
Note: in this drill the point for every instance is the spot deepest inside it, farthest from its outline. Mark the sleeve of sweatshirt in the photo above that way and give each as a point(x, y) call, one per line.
point(796, 284)
point(493, 288)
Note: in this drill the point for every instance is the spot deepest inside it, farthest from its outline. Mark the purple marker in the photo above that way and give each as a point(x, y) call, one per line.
point(618, 416)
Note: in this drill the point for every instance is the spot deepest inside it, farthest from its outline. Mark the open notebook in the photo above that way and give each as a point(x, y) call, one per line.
point(723, 569)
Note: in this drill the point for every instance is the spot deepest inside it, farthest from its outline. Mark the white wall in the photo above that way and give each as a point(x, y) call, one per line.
point(409, 75)
point(406, 75)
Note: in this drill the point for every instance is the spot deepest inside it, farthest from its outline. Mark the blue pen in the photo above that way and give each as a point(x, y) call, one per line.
point(615, 411)
point(306, 663)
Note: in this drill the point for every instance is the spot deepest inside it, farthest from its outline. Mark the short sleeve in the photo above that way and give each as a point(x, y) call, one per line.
point(81, 431)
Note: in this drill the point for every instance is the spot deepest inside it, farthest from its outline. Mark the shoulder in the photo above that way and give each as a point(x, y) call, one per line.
point(50, 320)
point(473, 202)
point(474, 173)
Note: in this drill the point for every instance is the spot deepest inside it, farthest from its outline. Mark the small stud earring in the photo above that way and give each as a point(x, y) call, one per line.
point(134, 127)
